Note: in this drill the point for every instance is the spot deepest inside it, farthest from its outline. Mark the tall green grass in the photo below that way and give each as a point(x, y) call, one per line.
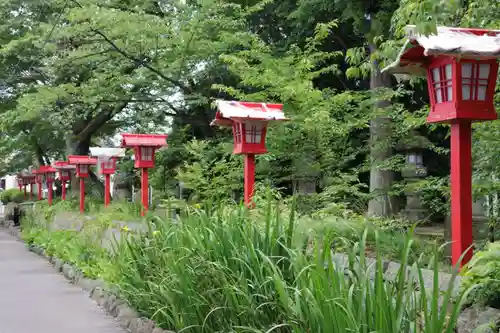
point(221, 270)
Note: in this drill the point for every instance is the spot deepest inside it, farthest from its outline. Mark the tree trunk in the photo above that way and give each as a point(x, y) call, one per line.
point(381, 204)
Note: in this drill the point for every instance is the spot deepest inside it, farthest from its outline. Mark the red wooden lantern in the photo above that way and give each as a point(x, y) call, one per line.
point(39, 181)
point(21, 183)
point(144, 146)
point(49, 174)
point(461, 68)
point(106, 158)
point(82, 164)
point(249, 122)
point(64, 169)
point(108, 167)
point(31, 181)
point(28, 180)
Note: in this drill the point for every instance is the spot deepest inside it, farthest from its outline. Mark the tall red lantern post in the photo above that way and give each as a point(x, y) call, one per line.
point(20, 182)
point(29, 179)
point(106, 160)
point(64, 169)
point(25, 186)
point(249, 122)
point(49, 174)
point(461, 67)
point(39, 182)
point(144, 146)
point(82, 164)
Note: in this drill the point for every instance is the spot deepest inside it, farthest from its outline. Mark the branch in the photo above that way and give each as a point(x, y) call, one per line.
point(141, 62)
point(40, 155)
point(99, 120)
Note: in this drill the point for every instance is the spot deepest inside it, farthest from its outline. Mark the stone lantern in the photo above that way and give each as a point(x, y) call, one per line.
point(412, 172)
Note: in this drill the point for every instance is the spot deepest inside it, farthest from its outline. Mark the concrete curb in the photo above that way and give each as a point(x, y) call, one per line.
point(96, 290)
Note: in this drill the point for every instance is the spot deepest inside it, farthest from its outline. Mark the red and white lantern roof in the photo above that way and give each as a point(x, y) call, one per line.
point(144, 140)
point(454, 42)
point(46, 169)
point(82, 159)
point(107, 152)
point(63, 165)
point(229, 111)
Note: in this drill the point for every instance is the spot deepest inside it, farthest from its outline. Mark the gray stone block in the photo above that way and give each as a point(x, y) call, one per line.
point(114, 307)
point(78, 275)
point(478, 320)
point(109, 301)
point(125, 315)
point(87, 284)
point(58, 264)
point(68, 272)
point(97, 294)
point(104, 297)
point(141, 325)
point(159, 330)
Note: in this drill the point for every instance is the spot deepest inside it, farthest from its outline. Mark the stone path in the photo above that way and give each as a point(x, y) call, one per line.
point(34, 298)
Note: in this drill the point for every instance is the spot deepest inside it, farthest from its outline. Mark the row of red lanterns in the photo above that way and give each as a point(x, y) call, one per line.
point(461, 67)
point(144, 146)
point(249, 123)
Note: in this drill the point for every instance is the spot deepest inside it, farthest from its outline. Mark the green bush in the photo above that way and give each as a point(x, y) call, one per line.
point(483, 271)
point(12, 195)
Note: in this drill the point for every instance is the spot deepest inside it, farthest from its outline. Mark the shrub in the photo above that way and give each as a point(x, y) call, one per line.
point(12, 195)
point(483, 271)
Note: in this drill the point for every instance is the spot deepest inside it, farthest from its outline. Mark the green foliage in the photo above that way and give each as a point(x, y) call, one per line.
point(210, 170)
point(483, 271)
point(12, 195)
point(225, 268)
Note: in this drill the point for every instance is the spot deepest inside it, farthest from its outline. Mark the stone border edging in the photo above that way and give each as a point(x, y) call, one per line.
point(113, 306)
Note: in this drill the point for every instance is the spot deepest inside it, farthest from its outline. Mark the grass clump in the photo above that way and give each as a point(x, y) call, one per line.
point(222, 271)
point(226, 269)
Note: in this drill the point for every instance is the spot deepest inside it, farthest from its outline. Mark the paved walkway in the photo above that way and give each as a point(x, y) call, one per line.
point(34, 298)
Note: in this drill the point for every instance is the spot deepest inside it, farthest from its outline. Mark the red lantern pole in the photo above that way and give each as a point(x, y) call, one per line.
point(107, 189)
point(82, 195)
point(144, 146)
point(461, 77)
point(63, 194)
point(49, 189)
point(82, 164)
point(461, 191)
point(39, 190)
point(25, 193)
point(144, 190)
point(249, 179)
